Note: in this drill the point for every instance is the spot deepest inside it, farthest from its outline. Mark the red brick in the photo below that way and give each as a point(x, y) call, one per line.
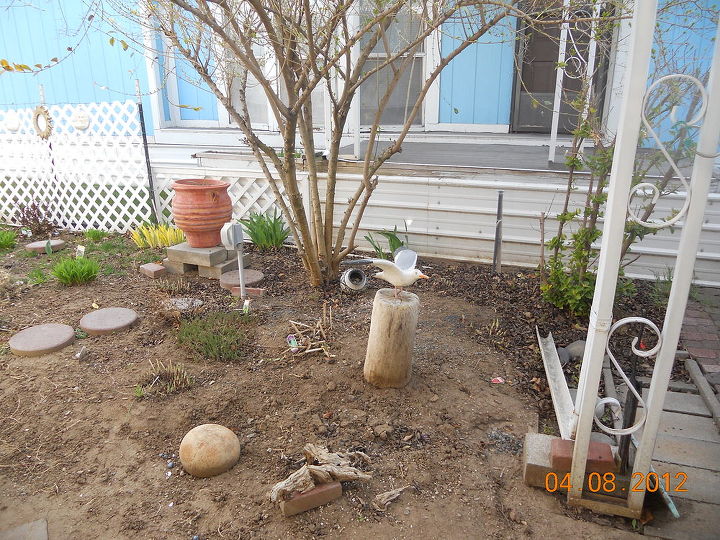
point(153, 270)
point(700, 336)
point(252, 292)
point(709, 366)
point(600, 458)
point(307, 500)
point(699, 352)
point(697, 321)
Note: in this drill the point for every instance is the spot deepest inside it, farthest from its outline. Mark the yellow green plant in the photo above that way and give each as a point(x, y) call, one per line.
point(154, 236)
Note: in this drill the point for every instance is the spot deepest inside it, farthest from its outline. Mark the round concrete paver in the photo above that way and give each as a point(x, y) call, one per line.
point(42, 339)
point(39, 246)
point(108, 320)
point(228, 280)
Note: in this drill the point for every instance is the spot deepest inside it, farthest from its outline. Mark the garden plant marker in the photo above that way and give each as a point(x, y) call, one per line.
point(79, 251)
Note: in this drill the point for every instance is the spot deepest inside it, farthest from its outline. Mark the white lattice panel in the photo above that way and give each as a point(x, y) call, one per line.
point(91, 178)
point(250, 191)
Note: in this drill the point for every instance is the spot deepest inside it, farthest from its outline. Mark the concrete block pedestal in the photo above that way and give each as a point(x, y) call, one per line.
point(209, 263)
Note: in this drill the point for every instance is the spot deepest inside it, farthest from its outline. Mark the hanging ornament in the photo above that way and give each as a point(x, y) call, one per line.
point(12, 121)
point(42, 122)
point(80, 119)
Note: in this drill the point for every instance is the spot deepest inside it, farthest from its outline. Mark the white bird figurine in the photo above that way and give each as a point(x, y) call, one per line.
point(399, 273)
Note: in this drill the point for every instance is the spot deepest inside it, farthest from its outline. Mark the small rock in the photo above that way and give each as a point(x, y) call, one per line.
point(434, 398)
point(332, 385)
point(322, 430)
point(564, 355)
point(382, 431)
point(209, 450)
point(327, 415)
point(170, 464)
point(576, 349)
point(182, 304)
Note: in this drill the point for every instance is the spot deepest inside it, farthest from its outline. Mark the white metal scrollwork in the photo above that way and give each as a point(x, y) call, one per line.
point(613, 403)
point(658, 223)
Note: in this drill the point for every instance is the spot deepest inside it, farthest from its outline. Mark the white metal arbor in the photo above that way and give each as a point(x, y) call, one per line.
point(601, 327)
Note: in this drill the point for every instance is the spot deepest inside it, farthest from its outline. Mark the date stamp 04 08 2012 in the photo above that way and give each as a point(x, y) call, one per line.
point(606, 483)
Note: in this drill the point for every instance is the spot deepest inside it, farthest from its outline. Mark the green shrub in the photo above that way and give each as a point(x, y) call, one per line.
point(216, 336)
point(95, 235)
point(8, 239)
point(75, 271)
point(266, 231)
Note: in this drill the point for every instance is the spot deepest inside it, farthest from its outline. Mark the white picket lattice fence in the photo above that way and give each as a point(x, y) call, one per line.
point(249, 190)
point(87, 178)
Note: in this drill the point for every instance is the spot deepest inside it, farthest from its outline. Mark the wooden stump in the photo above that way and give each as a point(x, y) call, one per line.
point(388, 362)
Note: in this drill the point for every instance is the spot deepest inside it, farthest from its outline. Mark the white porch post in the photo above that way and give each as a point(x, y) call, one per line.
point(609, 263)
point(559, 75)
point(682, 277)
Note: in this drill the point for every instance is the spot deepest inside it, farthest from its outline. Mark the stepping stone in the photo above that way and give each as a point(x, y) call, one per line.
point(35, 530)
point(108, 320)
point(39, 246)
point(42, 339)
point(232, 279)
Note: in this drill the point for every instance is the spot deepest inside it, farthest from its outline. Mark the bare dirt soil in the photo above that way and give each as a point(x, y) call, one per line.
point(78, 448)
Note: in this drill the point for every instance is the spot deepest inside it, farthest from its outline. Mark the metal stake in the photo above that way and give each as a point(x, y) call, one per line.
point(497, 250)
point(151, 187)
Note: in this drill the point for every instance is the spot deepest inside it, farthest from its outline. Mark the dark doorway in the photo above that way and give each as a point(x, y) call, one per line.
point(534, 89)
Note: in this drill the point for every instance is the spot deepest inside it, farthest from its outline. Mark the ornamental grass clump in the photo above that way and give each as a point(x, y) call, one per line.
point(266, 231)
point(95, 235)
point(76, 271)
point(8, 239)
point(157, 236)
point(215, 336)
point(164, 379)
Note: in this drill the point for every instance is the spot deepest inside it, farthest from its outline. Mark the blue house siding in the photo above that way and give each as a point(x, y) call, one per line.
point(476, 87)
point(684, 42)
point(93, 71)
point(194, 94)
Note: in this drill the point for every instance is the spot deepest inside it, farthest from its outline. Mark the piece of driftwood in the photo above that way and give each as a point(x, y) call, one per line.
point(322, 467)
point(380, 502)
point(316, 454)
point(393, 323)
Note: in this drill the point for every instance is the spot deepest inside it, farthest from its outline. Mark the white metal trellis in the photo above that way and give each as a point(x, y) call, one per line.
point(600, 325)
point(90, 178)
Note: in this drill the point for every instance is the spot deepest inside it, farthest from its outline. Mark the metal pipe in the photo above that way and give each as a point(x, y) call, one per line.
point(497, 249)
point(609, 263)
point(682, 276)
point(151, 188)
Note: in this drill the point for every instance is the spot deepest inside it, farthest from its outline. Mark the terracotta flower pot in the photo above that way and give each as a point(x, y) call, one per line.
point(200, 208)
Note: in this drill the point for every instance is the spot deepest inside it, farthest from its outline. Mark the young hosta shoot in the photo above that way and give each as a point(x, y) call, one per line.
point(77, 271)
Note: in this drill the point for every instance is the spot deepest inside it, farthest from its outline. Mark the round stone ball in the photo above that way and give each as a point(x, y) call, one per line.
point(209, 450)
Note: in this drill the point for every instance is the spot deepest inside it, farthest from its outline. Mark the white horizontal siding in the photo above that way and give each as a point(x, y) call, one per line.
point(454, 217)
